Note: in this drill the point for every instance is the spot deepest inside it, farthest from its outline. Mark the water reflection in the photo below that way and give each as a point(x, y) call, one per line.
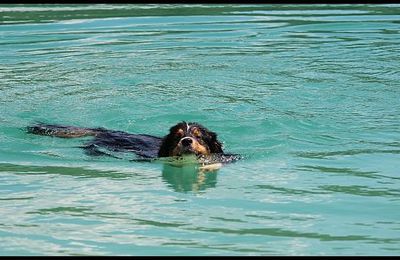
point(189, 177)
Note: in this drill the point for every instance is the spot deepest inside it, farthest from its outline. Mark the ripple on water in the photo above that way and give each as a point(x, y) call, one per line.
point(307, 94)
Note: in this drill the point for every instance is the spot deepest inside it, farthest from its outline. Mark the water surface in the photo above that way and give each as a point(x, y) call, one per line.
point(309, 94)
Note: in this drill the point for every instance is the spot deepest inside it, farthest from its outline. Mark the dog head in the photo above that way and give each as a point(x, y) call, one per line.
point(189, 138)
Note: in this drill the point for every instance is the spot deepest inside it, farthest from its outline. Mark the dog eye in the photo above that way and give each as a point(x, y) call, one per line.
point(179, 133)
point(197, 132)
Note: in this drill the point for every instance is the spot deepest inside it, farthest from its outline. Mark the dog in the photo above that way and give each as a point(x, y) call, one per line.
point(183, 139)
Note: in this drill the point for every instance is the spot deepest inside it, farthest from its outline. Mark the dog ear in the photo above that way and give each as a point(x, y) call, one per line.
point(168, 141)
point(214, 144)
point(166, 145)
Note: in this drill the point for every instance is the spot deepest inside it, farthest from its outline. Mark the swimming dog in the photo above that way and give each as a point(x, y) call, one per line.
point(183, 139)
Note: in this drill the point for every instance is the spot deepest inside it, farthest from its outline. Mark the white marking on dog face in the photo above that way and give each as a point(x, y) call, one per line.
point(184, 138)
point(187, 127)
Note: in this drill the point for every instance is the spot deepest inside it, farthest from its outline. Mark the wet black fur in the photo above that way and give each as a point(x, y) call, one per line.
point(145, 146)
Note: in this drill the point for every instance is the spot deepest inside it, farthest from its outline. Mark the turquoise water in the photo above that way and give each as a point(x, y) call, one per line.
point(308, 94)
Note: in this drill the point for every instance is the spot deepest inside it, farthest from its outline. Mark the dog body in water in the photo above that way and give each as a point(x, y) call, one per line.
point(183, 140)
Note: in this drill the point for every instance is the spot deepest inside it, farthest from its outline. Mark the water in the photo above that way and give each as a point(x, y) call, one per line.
point(308, 94)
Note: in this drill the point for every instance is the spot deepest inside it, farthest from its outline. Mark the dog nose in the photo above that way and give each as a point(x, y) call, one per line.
point(187, 141)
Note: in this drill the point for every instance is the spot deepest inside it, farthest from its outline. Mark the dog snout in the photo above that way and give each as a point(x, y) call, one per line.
point(187, 141)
